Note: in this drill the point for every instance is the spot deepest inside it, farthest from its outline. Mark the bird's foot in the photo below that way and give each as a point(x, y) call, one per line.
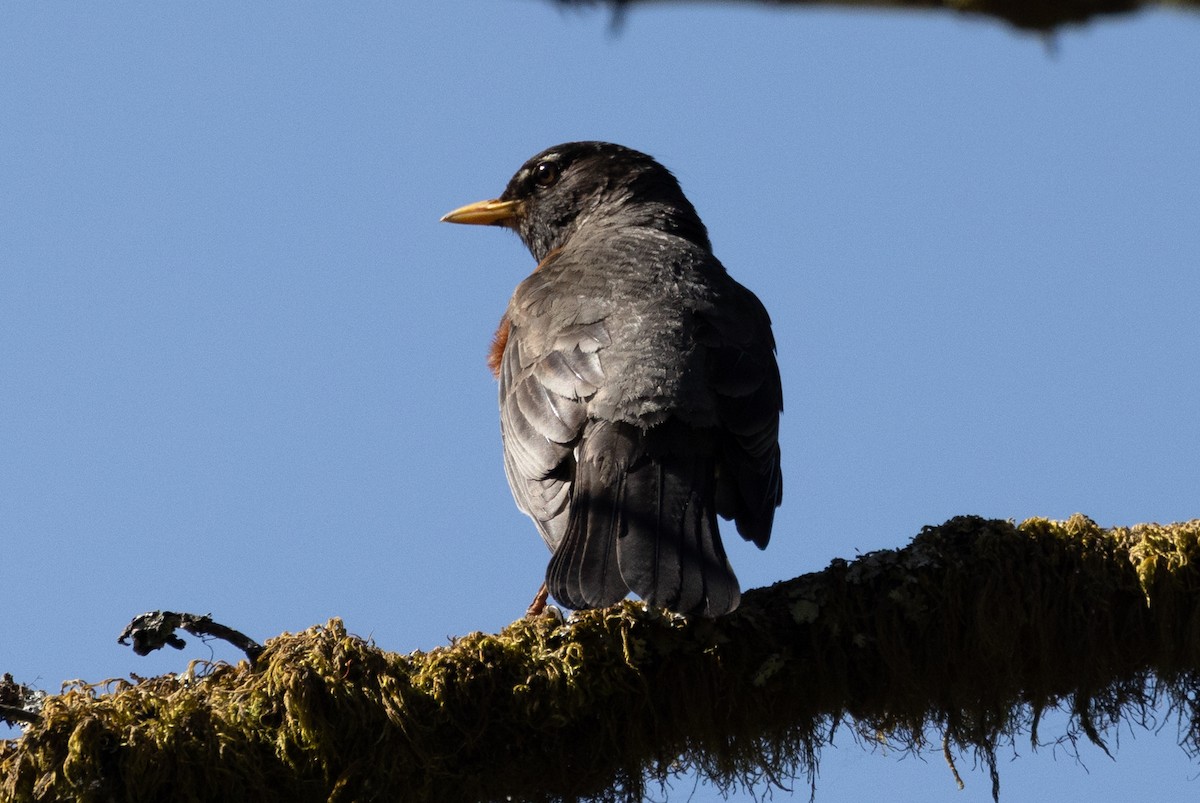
point(538, 606)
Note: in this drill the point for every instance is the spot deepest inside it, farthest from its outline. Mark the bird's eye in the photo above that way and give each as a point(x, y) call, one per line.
point(545, 173)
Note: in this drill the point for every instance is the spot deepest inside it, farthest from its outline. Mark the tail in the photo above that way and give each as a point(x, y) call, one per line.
point(643, 519)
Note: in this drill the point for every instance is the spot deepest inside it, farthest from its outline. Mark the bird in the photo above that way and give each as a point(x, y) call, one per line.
point(640, 395)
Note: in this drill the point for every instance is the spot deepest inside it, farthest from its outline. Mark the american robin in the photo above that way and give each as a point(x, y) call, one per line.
point(639, 393)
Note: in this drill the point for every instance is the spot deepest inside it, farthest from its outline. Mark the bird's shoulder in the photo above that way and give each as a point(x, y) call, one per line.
point(626, 268)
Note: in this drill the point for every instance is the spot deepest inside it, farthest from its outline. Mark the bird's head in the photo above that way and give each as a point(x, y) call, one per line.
point(586, 184)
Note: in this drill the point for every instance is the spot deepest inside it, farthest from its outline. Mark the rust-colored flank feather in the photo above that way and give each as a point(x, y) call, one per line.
point(499, 341)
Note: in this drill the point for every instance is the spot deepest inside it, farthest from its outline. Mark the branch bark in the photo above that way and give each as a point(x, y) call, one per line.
point(19, 704)
point(971, 633)
point(156, 629)
point(1033, 15)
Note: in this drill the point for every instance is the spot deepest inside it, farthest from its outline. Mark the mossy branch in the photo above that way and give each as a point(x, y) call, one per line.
point(971, 632)
point(1033, 15)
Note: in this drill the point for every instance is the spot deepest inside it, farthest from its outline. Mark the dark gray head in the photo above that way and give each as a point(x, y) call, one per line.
point(587, 184)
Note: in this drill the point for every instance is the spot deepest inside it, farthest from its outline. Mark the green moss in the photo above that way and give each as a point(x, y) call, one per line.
point(962, 639)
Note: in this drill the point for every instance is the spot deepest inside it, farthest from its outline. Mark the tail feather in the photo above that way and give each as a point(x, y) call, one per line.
point(643, 519)
point(721, 591)
point(583, 572)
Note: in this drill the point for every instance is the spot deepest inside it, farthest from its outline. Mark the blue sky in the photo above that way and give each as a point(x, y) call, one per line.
point(242, 364)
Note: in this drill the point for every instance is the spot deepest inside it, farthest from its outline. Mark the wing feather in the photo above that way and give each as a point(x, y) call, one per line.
point(744, 374)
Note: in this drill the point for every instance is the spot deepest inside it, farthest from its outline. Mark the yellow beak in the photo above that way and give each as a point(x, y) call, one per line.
point(484, 212)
